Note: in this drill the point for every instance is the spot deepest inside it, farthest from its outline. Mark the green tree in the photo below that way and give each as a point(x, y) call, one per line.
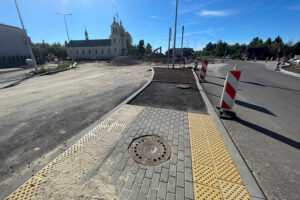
point(141, 48)
point(148, 49)
point(130, 47)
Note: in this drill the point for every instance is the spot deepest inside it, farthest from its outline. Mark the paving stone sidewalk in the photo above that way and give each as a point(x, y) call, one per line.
point(171, 180)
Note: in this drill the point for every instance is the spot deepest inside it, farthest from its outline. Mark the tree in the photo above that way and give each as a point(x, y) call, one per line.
point(141, 48)
point(148, 49)
point(130, 47)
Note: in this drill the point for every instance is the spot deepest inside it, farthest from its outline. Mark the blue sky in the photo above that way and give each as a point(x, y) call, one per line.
point(204, 20)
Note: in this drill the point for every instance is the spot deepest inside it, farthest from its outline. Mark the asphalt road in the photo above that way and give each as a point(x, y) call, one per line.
point(267, 127)
point(40, 114)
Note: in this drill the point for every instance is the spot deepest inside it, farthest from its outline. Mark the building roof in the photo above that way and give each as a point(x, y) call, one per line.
point(90, 43)
point(6, 25)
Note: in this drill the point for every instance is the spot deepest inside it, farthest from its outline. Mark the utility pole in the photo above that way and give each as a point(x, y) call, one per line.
point(181, 55)
point(173, 60)
point(170, 34)
point(27, 40)
point(63, 14)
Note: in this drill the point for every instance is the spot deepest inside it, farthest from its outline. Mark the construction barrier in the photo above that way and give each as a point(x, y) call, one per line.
point(203, 69)
point(230, 89)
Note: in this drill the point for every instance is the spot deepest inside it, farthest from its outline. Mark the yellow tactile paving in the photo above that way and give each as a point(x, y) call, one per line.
point(215, 175)
point(116, 122)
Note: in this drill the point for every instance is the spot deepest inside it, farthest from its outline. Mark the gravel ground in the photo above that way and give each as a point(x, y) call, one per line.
point(182, 75)
point(293, 68)
point(39, 114)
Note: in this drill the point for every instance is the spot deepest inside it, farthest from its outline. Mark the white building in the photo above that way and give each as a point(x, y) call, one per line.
point(102, 48)
point(13, 45)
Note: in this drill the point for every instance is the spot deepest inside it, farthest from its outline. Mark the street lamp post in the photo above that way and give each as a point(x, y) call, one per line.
point(69, 14)
point(173, 59)
point(27, 40)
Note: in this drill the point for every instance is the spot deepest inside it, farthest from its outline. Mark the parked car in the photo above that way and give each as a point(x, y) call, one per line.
point(297, 61)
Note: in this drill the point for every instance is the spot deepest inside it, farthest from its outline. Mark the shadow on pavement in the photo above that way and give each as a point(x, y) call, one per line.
point(252, 83)
point(269, 133)
point(15, 83)
point(254, 107)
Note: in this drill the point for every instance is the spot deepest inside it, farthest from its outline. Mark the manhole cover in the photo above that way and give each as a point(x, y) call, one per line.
point(183, 86)
point(150, 150)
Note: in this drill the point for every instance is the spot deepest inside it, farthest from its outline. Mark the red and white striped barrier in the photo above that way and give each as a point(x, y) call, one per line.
point(230, 89)
point(203, 69)
point(196, 64)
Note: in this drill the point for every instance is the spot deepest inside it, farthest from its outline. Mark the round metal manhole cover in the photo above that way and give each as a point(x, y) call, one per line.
point(150, 150)
point(183, 86)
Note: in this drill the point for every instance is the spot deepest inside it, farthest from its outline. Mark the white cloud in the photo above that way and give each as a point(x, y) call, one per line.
point(218, 13)
point(155, 17)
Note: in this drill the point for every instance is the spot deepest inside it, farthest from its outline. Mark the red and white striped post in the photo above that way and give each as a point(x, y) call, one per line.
point(203, 69)
point(230, 89)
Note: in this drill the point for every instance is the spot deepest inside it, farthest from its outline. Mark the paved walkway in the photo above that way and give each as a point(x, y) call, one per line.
point(99, 165)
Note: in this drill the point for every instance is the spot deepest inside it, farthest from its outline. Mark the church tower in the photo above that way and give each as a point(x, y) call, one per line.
point(86, 35)
point(115, 38)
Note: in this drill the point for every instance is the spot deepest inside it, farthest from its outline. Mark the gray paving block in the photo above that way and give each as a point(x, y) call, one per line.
point(125, 171)
point(188, 190)
point(152, 194)
point(188, 161)
point(180, 179)
point(155, 180)
point(172, 185)
point(179, 193)
point(135, 191)
point(135, 168)
point(162, 191)
point(130, 181)
point(180, 155)
point(157, 169)
point(171, 196)
point(180, 166)
point(145, 186)
point(164, 175)
point(188, 174)
point(119, 186)
point(173, 170)
point(174, 159)
point(124, 194)
point(149, 172)
point(142, 197)
point(115, 177)
point(140, 176)
point(187, 152)
point(166, 164)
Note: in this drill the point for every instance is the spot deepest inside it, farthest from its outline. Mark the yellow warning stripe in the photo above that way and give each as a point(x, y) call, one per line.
point(215, 175)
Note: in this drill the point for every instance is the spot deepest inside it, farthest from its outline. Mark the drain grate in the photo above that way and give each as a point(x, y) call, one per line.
point(150, 150)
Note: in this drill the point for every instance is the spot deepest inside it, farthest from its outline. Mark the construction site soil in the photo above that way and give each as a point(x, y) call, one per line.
point(162, 94)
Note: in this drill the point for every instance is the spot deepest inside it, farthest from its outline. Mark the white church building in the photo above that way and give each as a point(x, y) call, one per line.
point(100, 49)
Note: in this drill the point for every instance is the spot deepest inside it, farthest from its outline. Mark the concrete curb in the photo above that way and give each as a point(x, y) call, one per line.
point(249, 180)
point(290, 73)
point(11, 188)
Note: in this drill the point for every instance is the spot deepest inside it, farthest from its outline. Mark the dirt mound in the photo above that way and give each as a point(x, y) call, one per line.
point(124, 61)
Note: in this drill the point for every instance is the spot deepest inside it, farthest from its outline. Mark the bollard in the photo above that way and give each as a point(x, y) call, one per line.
point(229, 93)
point(203, 70)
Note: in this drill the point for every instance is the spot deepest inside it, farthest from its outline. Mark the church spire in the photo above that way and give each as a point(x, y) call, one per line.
point(86, 34)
